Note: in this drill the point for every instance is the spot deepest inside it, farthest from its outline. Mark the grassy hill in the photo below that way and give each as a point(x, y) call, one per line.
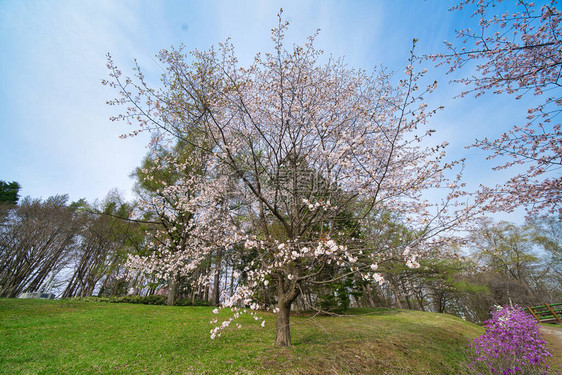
point(72, 337)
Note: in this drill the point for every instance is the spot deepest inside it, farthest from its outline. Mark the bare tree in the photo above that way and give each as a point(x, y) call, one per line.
point(36, 239)
point(105, 239)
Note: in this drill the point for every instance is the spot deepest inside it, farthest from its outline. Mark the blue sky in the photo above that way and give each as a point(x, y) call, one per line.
point(55, 135)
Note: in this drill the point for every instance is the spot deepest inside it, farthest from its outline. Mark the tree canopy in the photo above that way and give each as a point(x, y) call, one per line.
point(9, 192)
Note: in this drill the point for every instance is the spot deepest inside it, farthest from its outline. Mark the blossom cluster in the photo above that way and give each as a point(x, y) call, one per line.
point(243, 296)
point(511, 345)
point(518, 65)
point(410, 258)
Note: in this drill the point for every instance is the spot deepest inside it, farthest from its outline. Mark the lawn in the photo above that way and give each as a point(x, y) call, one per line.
point(74, 337)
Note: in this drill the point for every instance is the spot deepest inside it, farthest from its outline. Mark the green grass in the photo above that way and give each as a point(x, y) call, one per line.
point(72, 337)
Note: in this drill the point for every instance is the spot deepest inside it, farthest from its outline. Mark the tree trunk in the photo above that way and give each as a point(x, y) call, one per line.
point(194, 294)
point(232, 281)
point(288, 293)
point(216, 284)
point(309, 297)
point(396, 295)
point(369, 294)
point(172, 290)
point(406, 294)
point(216, 289)
point(283, 335)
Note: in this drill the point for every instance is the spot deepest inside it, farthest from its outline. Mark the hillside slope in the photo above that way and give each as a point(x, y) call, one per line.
point(70, 337)
point(552, 333)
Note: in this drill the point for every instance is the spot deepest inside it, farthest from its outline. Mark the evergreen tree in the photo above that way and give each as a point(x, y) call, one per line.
point(9, 192)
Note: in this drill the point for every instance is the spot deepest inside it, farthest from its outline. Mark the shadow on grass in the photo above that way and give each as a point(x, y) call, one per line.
point(380, 341)
point(356, 311)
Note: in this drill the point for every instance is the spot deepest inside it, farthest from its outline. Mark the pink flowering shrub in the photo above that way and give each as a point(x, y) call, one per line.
point(512, 344)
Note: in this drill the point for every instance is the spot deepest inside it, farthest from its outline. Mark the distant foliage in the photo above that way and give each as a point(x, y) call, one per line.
point(37, 239)
point(147, 300)
point(512, 344)
point(9, 192)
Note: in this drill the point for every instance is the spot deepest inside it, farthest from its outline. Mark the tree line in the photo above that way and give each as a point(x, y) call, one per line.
point(86, 246)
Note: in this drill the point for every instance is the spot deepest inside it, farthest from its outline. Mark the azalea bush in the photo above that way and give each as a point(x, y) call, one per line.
point(512, 344)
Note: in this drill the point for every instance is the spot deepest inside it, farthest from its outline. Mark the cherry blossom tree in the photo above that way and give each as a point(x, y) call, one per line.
point(192, 223)
point(302, 151)
point(517, 49)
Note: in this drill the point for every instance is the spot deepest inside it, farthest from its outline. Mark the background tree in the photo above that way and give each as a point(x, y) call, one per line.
point(176, 194)
point(514, 265)
point(516, 48)
point(547, 236)
point(106, 238)
point(9, 192)
point(36, 241)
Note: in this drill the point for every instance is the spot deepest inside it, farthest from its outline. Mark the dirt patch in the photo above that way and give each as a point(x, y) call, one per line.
point(553, 336)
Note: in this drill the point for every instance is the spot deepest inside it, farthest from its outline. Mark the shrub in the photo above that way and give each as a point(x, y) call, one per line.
point(330, 304)
point(154, 300)
point(182, 302)
point(148, 300)
point(512, 344)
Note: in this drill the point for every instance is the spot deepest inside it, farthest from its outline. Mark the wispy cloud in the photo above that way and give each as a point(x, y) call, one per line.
point(55, 136)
